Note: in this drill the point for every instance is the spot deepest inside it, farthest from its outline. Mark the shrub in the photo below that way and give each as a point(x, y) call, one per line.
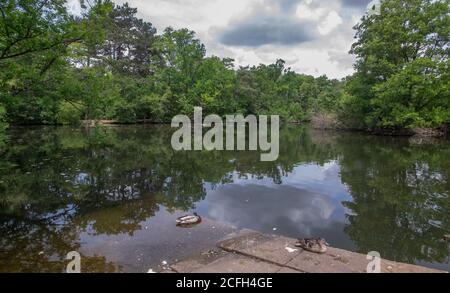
point(68, 114)
point(125, 112)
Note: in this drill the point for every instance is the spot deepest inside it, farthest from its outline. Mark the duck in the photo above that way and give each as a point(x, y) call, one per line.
point(189, 220)
point(318, 245)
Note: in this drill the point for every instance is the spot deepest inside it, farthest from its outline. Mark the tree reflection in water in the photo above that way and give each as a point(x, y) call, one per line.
point(58, 182)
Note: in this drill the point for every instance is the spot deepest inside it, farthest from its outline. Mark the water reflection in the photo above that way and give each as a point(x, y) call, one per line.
point(284, 209)
point(64, 189)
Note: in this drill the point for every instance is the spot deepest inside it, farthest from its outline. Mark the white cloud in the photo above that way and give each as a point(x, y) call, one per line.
point(325, 53)
point(332, 21)
point(305, 11)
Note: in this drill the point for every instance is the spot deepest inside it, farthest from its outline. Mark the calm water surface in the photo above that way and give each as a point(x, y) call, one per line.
point(113, 194)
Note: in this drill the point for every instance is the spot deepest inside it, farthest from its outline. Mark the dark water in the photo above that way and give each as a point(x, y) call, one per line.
point(98, 190)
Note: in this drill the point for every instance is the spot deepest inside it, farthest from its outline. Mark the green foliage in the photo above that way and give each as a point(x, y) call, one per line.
point(2, 128)
point(350, 111)
point(402, 76)
point(2, 113)
point(35, 41)
point(68, 114)
point(152, 107)
point(274, 89)
point(417, 96)
point(110, 64)
point(213, 87)
point(124, 112)
point(31, 26)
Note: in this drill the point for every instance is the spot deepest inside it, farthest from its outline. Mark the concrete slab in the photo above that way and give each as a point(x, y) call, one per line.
point(288, 271)
point(276, 249)
point(199, 261)
point(358, 262)
point(241, 240)
point(395, 267)
point(233, 263)
point(320, 263)
point(252, 252)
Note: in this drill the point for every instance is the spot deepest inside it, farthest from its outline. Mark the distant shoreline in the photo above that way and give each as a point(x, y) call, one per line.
point(316, 123)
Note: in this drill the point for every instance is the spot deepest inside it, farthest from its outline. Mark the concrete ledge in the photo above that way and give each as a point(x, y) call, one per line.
point(251, 252)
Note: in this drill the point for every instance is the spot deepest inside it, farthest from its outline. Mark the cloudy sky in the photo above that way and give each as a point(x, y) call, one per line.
point(312, 36)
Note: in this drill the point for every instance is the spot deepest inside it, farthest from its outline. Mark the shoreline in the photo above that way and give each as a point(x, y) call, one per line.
point(327, 121)
point(316, 124)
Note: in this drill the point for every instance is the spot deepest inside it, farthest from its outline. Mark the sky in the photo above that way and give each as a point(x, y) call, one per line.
point(312, 36)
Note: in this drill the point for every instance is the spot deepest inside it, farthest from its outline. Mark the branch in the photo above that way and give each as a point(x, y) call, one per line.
point(48, 65)
point(28, 51)
point(73, 104)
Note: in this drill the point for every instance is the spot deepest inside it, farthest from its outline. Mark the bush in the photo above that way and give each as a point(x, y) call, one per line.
point(152, 107)
point(351, 112)
point(125, 112)
point(68, 114)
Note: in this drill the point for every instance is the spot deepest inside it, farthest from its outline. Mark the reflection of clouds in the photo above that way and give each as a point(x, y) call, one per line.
point(315, 178)
point(293, 211)
point(326, 209)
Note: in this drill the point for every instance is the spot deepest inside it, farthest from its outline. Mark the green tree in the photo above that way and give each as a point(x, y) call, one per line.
point(214, 86)
point(35, 41)
point(127, 48)
point(109, 64)
point(31, 26)
point(181, 55)
point(402, 64)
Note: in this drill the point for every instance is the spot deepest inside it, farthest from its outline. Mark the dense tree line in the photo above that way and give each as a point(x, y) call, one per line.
point(109, 64)
point(59, 68)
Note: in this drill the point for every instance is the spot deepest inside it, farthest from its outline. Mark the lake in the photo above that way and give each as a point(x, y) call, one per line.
point(113, 194)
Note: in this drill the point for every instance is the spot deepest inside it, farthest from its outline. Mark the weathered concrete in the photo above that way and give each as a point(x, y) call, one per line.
point(235, 263)
point(252, 252)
